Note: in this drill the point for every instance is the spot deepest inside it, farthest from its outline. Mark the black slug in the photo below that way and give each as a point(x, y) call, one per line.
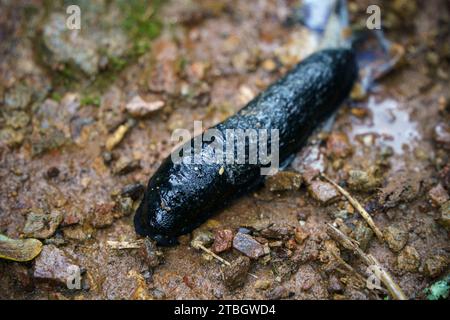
point(181, 196)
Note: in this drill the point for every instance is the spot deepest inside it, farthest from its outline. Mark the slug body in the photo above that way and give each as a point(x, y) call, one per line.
point(181, 196)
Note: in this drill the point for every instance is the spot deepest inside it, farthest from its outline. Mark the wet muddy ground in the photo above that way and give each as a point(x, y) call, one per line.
point(86, 119)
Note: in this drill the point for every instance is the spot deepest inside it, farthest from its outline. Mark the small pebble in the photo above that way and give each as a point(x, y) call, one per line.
point(223, 240)
point(303, 215)
point(262, 284)
point(436, 265)
point(53, 266)
point(438, 195)
point(363, 234)
point(277, 231)
point(444, 218)
point(408, 260)
point(301, 234)
point(102, 215)
point(442, 135)
point(203, 237)
point(138, 107)
point(338, 145)
point(334, 285)
point(248, 246)
point(277, 293)
point(158, 294)
point(444, 176)
point(269, 65)
point(323, 192)
point(150, 253)
point(284, 181)
point(123, 207)
point(42, 225)
point(244, 230)
point(107, 157)
point(363, 181)
point(236, 274)
point(396, 238)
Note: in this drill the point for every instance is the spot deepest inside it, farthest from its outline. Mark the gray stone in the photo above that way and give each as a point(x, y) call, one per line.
point(323, 191)
point(42, 225)
point(54, 266)
point(248, 246)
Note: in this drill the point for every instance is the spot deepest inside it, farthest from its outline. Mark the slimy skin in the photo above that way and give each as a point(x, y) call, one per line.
point(182, 196)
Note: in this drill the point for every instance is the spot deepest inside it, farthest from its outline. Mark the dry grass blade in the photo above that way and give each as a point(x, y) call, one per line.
point(121, 245)
point(355, 203)
point(202, 247)
point(225, 262)
point(350, 244)
point(386, 278)
point(349, 268)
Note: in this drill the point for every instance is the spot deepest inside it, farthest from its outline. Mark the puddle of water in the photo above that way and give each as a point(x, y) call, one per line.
point(390, 125)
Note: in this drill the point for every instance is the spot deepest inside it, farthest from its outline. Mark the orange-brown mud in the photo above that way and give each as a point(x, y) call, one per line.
point(210, 58)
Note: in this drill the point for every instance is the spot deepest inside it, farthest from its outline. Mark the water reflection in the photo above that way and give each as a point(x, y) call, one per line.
point(389, 125)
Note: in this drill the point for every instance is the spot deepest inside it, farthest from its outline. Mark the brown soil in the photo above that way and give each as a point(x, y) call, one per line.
point(209, 60)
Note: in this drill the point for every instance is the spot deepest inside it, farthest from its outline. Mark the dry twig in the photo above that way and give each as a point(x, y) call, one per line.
point(121, 245)
point(355, 203)
point(350, 244)
point(198, 245)
point(349, 268)
point(202, 247)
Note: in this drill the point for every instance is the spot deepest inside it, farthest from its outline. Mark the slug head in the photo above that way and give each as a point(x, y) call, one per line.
point(151, 220)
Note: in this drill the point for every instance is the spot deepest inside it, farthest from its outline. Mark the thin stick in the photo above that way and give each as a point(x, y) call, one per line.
point(386, 278)
point(350, 244)
point(121, 245)
point(200, 246)
point(355, 203)
point(349, 268)
point(347, 242)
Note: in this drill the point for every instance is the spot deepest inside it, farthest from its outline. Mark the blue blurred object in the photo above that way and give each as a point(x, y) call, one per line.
point(314, 14)
point(329, 21)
